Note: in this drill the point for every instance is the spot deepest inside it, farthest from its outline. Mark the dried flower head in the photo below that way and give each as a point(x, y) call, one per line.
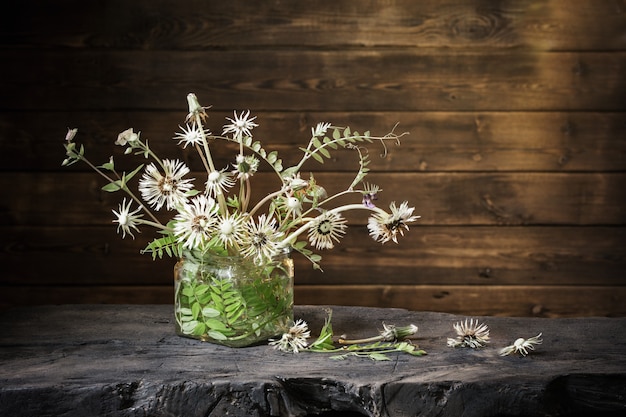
point(392, 332)
point(167, 188)
point(191, 134)
point(196, 111)
point(522, 346)
point(294, 340)
point(245, 166)
point(194, 223)
point(241, 125)
point(127, 136)
point(71, 133)
point(384, 227)
point(230, 229)
point(470, 334)
point(262, 240)
point(127, 219)
point(218, 182)
point(325, 229)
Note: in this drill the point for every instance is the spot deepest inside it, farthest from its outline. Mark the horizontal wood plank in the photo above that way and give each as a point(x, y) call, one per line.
point(426, 255)
point(72, 199)
point(197, 24)
point(519, 301)
point(361, 80)
point(437, 141)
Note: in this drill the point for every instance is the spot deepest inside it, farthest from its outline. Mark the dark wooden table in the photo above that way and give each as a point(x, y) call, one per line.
point(119, 360)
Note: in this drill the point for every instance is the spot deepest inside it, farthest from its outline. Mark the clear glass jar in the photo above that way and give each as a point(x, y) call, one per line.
point(232, 301)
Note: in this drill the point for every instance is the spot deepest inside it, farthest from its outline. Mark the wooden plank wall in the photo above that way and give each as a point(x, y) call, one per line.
point(516, 156)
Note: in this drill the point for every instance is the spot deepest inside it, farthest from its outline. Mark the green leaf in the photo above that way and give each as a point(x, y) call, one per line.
point(216, 324)
point(188, 327)
point(133, 173)
point(325, 339)
point(195, 310)
point(200, 329)
point(324, 152)
point(217, 335)
point(185, 311)
point(210, 312)
point(233, 317)
point(378, 356)
point(217, 300)
point(157, 246)
point(112, 187)
point(291, 170)
point(109, 166)
point(318, 158)
point(201, 289)
point(233, 306)
point(192, 193)
point(68, 161)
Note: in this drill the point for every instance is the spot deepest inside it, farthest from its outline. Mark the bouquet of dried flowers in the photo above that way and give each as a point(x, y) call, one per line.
point(222, 219)
point(232, 286)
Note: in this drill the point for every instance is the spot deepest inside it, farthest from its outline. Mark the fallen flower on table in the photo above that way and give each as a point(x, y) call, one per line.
point(470, 334)
point(295, 339)
point(522, 346)
point(391, 339)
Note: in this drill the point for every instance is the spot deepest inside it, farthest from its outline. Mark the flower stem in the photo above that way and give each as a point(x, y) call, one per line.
point(286, 241)
point(361, 341)
point(124, 188)
point(264, 200)
point(209, 160)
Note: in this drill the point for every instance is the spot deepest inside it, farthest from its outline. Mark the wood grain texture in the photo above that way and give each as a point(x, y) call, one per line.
point(360, 80)
point(427, 255)
point(437, 141)
point(196, 25)
point(126, 361)
point(470, 300)
point(440, 198)
point(516, 158)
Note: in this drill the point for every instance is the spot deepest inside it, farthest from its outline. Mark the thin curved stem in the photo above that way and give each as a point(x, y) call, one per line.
point(286, 241)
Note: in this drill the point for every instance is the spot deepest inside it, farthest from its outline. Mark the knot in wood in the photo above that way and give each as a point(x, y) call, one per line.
point(473, 26)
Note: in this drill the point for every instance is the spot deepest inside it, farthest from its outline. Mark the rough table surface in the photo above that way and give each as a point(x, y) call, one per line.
point(112, 360)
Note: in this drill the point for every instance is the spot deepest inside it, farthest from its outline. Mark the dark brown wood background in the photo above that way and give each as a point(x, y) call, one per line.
point(516, 158)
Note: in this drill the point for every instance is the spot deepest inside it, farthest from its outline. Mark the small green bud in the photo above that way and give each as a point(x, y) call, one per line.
point(194, 105)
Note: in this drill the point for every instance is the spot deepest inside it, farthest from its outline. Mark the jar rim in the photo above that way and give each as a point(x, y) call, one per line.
point(284, 252)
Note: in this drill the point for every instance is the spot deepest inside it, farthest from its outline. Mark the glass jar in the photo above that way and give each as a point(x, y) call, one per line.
point(231, 300)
